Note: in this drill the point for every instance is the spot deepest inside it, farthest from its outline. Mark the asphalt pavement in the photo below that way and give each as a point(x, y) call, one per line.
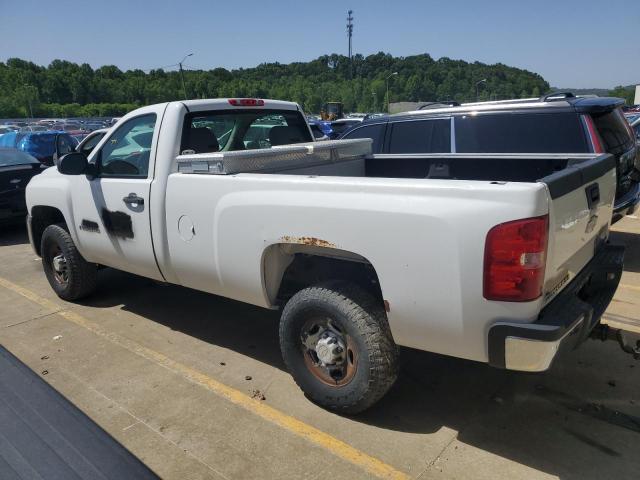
point(194, 386)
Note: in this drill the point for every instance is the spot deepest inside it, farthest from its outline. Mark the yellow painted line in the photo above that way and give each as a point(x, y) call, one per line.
point(315, 436)
point(629, 287)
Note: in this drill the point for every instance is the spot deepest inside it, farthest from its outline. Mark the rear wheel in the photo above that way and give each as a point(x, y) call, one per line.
point(336, 342)
point(68, 273)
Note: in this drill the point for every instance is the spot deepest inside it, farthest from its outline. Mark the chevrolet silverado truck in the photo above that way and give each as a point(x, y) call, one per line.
point(233, 197)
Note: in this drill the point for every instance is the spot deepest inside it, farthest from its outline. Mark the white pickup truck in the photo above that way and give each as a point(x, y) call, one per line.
point(494, 258)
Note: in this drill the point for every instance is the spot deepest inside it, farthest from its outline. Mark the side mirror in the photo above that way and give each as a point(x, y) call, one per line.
point(74, 163)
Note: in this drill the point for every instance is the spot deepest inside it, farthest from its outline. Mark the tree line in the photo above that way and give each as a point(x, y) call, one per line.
point(64, 88)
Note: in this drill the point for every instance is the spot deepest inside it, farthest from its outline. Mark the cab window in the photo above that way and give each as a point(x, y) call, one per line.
point(126, 152)
point(229, 130)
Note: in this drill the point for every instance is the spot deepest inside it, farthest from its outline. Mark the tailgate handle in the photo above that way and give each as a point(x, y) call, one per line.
point(593, 195)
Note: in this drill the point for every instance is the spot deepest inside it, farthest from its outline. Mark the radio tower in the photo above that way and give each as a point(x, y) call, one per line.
point(349, 34)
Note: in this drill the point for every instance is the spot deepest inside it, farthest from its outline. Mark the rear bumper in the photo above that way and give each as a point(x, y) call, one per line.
point(564, 323)
point(628, 203)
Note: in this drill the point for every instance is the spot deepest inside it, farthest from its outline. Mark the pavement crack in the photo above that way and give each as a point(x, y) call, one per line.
point(140, 421)
point(38, 317)
point(439, 455)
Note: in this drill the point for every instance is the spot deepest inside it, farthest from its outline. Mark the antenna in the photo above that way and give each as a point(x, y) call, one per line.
point(349, 34)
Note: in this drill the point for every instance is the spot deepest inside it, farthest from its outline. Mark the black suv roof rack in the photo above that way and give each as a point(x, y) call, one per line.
point(552, 97)
point(444, 103)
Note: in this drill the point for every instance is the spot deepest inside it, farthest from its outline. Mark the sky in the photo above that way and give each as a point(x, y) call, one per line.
point(571, 43)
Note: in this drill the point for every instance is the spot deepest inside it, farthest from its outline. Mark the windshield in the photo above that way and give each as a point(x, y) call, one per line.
point(228, 130)
point(613, 129)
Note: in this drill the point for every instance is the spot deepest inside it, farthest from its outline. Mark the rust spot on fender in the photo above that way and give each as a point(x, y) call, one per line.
point(387, 307)
point(313, 241)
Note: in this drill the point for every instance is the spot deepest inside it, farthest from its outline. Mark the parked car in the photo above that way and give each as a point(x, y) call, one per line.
point(92, 126)
point(16, 123)
point(34, 128)
point(631, 117)
point(338, 127)
point(49, 121)
point(16, 169)
point(325, 126)
point(7, 128)
point(41, 145)
point(635, 126)
point(556, 123)
point(89, 142)
point(317, 131)
point(72, 127)
point(502, 265)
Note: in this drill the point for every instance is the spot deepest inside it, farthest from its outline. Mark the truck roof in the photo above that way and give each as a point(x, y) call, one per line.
point(225, 103)
point(552, 101)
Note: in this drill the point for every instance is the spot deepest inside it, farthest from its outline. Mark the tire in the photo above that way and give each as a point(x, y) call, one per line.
point(362, 321)
point(79, 278)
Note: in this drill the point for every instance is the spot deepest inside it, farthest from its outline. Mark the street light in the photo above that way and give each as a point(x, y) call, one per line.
point(375, 100)
point(484, 80)
point(28, 87)
point(386, 80)
point(184, 89)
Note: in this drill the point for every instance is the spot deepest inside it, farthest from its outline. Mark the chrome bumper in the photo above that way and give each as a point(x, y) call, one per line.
point(564, 323)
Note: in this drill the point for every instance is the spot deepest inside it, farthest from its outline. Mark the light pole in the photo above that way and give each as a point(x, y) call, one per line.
point(484, 80)
point(184, 89)
point(375, 100)
point(28, 88)
point(386, 80)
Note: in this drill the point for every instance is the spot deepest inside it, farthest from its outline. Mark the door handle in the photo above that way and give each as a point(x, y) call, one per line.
point(132, 198)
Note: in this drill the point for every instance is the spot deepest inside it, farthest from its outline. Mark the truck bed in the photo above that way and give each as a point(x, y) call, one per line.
point(424, 237)
point(353, 158)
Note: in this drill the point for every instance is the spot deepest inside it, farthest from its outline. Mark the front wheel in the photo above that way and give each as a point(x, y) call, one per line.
point(336, 342)
point(69, 274)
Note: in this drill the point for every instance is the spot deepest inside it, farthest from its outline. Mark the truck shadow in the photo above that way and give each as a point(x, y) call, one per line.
point(580, 420)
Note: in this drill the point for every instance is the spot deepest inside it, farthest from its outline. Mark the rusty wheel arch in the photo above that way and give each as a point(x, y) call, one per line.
point(289, 267)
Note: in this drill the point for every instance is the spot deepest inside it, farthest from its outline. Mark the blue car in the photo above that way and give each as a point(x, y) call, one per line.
point(322, 125)
point(41, 145)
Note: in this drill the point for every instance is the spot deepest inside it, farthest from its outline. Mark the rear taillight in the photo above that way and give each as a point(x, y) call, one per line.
point(594, 138)
point(246, 102)
point(514, 260)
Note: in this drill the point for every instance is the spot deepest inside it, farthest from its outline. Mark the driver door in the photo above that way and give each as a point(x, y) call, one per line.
point(111, 211)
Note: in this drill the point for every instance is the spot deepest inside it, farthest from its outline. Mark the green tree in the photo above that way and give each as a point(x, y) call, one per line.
point(627, 93)
point(65, 88)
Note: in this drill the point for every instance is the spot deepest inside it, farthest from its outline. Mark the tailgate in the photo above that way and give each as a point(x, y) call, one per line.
point(582, 197)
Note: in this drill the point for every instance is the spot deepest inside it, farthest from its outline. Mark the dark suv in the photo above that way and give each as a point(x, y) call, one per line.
point(555, 123)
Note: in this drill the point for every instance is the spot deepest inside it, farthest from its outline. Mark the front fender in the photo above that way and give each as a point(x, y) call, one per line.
point(52, 189)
